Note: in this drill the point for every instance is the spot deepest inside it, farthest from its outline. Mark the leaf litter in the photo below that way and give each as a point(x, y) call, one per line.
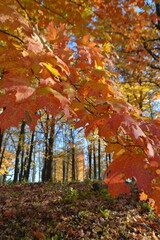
point(73, 211)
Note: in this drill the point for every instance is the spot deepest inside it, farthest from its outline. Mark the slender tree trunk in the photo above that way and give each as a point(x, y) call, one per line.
point(64, 170)
point(50, 152)
point(44, 170)
point(4, 178)
point(34, 170)
point(55, 171)
point(39, 166)
point(76, 163)
point(108, 160)
point(158, 13)
point(30, 156)
point(67, 155)
point(22, 166)
point(25, 165)
point(2, 155)
point(48, 158)
point(22, 157)
point(73, 157)
point(94, 161)
point(99, 159)
point(90, 160)
point(19, 148)
point(67, 165)
point(1, 140)
point(73, 164)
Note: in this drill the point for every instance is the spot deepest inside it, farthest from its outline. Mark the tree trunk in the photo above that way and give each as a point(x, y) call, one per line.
point(99, 159)
point(158, 14)
point(30, 156)
point(1, 140)
point(48, 158)
point(73, 156)
point(67, 154)
point(94, 161)
point(108, 160)
point(22, 157)
point(22, 166)
point(67, 164)
point(25, 164)
point(64, 170)
point(90, 160)
point(34, 169)
point(50, 152)
point(44, 170)
point(19, 148)
point(2, 155)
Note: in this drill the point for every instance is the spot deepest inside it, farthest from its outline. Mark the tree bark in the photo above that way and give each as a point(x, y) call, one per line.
point(19, 148)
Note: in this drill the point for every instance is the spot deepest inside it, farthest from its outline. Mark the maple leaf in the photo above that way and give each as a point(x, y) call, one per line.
point(130, 165)
point(24, 92)
point(116, 184)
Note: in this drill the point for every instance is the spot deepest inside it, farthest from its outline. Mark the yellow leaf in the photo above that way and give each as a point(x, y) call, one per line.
point(51, 70)
point(107, 47)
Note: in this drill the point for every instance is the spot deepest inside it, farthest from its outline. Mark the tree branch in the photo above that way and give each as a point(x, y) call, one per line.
point(11, 35)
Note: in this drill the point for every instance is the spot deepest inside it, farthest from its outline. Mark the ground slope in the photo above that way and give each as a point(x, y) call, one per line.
point(73, 211)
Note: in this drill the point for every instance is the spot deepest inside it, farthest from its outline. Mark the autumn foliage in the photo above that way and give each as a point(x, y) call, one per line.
point(68, 56)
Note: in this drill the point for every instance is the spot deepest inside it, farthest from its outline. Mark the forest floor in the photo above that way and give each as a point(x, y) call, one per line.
point(73, 211)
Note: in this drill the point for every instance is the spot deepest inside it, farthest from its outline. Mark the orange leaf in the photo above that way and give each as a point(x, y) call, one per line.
point(143, 196)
